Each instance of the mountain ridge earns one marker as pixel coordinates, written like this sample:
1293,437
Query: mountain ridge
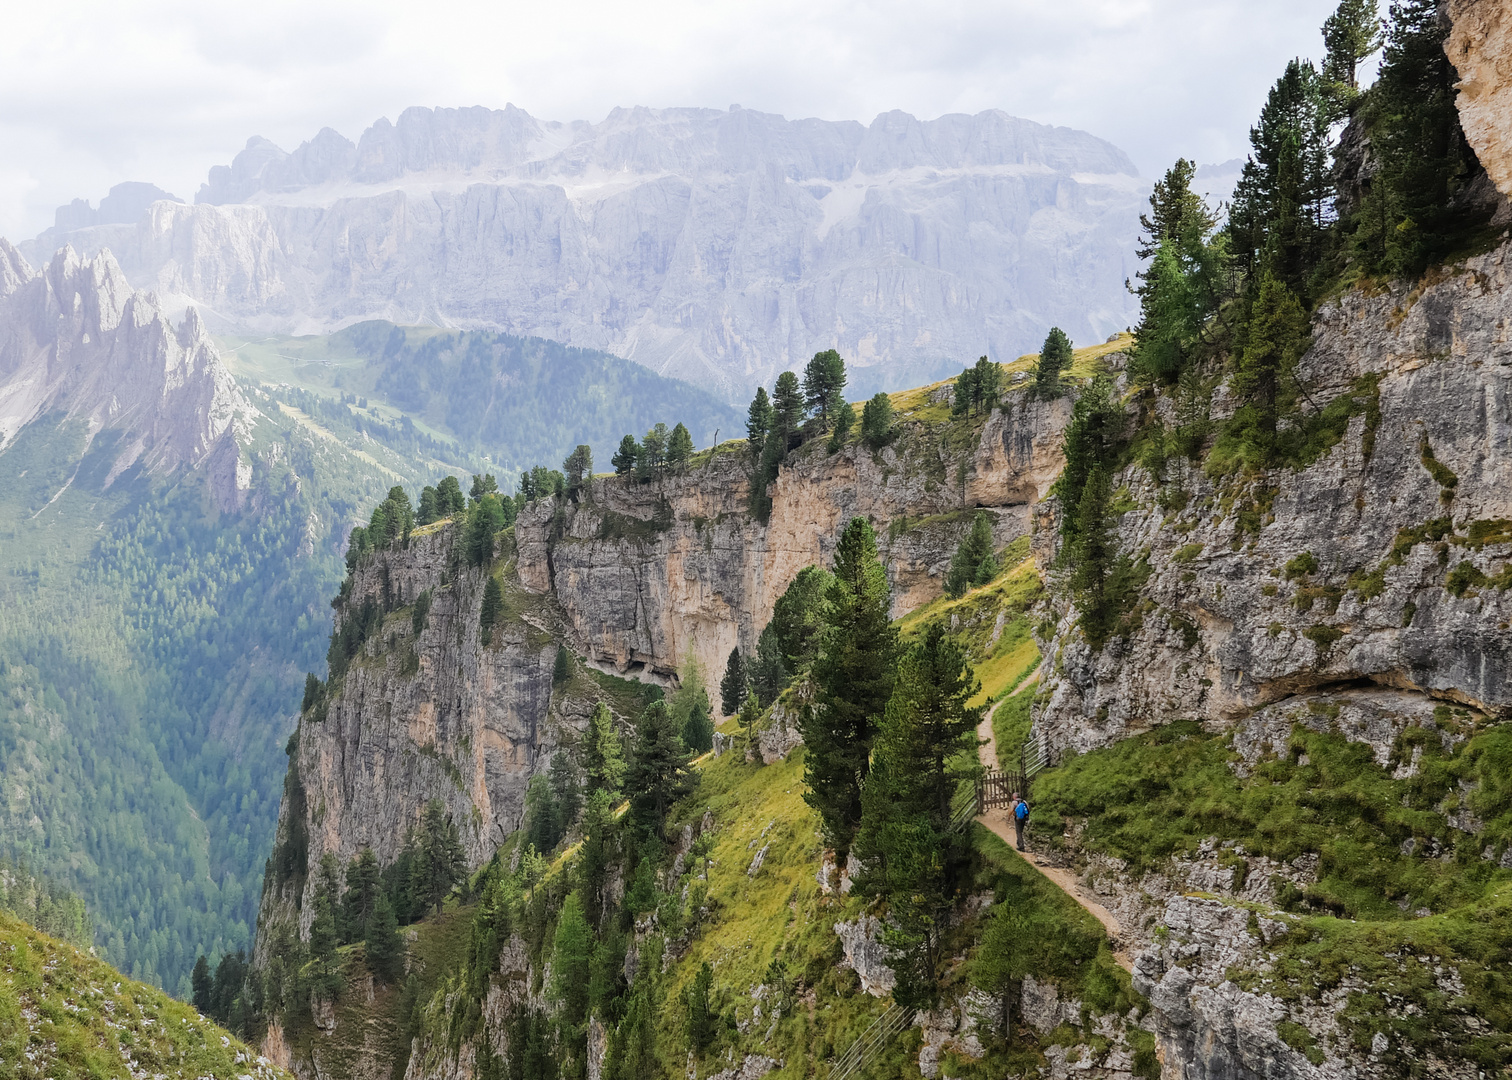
717,246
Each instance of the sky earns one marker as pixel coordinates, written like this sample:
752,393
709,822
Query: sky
99,91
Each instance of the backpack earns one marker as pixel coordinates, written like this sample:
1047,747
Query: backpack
1021,811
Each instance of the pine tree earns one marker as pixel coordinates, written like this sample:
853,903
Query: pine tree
606,974
485,517
578,468
626,456
603,760
1092,551
323,943
700,1024
1351,34
1054,359
483,485
633,1049
492,609
1177,210
1276,337
363,888
853,680
441,854
732,688
910,854
199,980
1092,439
877,421
598,849
1000,963
973,563
570,954
679,448
787,412
658,775
823,384
540,815
449,497
1411,214
1279,218
698,729
798,617
1184,282
428,511
989,384
383,948
566,796
750,712
965,393
845,420
769,674
758,422
653,455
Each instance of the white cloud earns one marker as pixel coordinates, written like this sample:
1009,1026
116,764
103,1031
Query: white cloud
160,90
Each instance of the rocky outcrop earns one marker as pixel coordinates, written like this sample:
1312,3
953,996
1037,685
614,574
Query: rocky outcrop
717,246
416,717
1208,1027
77,341
1480,47
1377,563
651,574
861,943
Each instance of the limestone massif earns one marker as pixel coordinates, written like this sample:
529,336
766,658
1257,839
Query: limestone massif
719,246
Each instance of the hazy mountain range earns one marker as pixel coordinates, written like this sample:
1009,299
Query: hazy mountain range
716,246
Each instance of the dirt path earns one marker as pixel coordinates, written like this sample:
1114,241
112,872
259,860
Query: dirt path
1065,880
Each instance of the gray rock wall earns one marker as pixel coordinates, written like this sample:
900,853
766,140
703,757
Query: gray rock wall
717,246
649,574
1444,364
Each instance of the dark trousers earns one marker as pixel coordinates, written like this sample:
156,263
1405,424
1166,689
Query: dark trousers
1018,832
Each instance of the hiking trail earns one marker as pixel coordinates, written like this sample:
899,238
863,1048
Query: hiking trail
997,820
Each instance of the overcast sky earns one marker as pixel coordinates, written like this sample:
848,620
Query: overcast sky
94,92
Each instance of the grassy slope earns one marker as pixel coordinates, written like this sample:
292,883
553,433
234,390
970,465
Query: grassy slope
377,1028
1384,913
915,404
64,1014
781,914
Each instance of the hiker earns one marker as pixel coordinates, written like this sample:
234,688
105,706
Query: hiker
1019,809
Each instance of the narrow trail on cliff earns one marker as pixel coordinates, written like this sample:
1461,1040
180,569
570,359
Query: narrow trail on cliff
1063,879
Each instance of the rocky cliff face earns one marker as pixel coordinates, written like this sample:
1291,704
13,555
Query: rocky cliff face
430,715
1480,47
637,579
650,575
721,247
77,340
1378,563
1360,594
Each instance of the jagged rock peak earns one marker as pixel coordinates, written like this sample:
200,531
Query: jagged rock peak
649,141
15,271
76,339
